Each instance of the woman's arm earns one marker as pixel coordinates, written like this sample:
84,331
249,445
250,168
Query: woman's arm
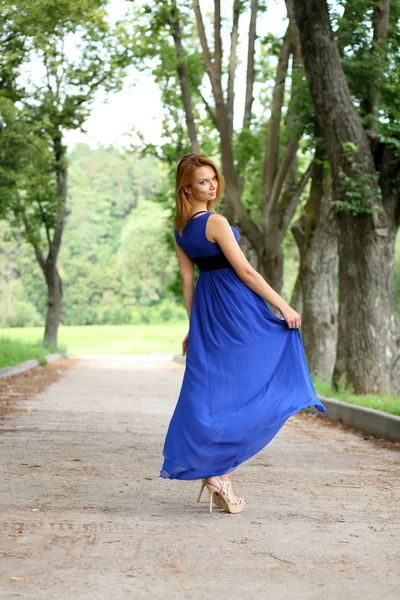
186,267
257,283
188,293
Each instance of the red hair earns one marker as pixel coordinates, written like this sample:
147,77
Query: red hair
184,177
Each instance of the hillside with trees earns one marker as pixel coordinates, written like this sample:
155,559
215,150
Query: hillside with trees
115,262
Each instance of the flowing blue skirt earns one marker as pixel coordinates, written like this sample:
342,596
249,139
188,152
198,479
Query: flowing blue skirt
246,373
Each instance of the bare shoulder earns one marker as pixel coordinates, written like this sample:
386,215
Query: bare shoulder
218,219
217,226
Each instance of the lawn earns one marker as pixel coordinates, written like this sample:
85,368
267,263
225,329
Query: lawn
109,339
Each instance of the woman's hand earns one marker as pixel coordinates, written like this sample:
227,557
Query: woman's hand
185,344
292,318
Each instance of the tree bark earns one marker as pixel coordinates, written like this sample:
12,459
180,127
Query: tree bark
49,267
316,237
276,207
54,304
232,64
381,29
250,64
274,125
296,300
366,308
233,188
183,79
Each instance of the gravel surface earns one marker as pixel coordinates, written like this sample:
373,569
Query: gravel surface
85,515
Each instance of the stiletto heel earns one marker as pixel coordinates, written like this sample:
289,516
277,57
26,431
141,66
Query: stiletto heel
211,499
203,485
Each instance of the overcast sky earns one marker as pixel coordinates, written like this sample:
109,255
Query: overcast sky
138,105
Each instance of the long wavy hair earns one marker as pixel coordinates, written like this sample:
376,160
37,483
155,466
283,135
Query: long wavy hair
184,178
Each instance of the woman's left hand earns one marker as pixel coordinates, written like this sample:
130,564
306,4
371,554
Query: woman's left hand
185,344
292,318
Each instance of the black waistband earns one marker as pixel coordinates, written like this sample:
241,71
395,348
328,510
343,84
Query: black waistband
212,263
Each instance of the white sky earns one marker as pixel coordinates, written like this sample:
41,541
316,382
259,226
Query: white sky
138,104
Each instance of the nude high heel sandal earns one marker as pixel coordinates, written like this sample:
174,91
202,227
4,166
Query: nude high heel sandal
224,497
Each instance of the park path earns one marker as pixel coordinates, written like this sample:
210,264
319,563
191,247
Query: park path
85,515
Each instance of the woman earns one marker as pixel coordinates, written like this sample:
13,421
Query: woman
246,371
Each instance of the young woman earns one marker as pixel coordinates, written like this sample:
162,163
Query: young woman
246,371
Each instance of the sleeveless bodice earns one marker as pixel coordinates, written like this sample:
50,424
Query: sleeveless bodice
193,239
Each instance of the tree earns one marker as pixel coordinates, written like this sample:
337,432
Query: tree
164,41
315,233
364,168
78,53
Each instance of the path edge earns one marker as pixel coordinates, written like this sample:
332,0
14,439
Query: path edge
29,364
371,420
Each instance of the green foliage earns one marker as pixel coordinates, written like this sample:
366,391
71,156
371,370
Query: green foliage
75,52
358,190
303,109
390,135
116,261
152,49
108,210
22,288
26,168
369,63
146,264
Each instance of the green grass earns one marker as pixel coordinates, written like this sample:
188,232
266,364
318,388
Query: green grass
13,352
386,403
109,339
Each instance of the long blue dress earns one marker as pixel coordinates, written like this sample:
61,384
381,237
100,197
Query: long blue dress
246,372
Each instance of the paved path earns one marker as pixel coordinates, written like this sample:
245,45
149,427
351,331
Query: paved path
85,515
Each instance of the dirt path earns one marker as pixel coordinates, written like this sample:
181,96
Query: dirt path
85,515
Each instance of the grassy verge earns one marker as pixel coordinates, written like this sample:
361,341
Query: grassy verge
13,352
386,403
110,339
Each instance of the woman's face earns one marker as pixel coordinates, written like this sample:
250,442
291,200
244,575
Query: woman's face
204,185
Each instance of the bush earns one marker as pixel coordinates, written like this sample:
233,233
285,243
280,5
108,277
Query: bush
22,314
164,312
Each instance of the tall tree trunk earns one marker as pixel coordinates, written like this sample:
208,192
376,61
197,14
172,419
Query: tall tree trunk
296,300
54,303
183,78
49,266
316,236
366,317
271,260
389,172
381,28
